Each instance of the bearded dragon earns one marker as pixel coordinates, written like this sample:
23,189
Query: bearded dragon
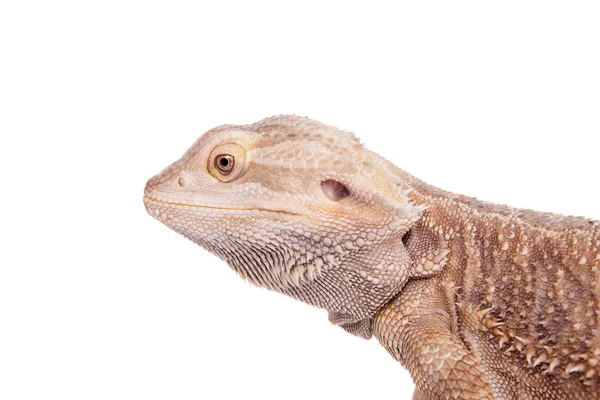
476,300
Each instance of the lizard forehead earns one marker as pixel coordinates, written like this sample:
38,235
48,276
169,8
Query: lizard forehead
290,127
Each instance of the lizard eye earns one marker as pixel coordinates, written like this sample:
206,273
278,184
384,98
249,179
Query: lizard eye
224,163
227,162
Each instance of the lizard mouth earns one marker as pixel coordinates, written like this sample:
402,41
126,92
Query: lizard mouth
149,201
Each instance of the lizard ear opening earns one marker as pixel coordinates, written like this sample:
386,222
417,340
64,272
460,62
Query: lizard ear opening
334,190
406,237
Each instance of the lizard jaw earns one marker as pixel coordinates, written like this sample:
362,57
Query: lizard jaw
149,201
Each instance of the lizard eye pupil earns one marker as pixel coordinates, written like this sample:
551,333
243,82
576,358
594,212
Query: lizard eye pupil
224,163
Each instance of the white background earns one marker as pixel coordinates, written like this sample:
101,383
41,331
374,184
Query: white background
99,301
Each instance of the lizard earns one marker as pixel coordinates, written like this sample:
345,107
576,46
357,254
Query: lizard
476,300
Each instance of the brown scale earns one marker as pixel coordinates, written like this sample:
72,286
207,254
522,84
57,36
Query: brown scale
521,280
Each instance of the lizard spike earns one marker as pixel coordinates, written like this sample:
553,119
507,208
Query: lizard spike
408,191
297,275
548,349
403,193
542,358
461,304
552,366
498,332
590,373
490,323
439,256
519,346
481,314
310,271
577,357
526,342
529,354
503,340
572,368
410,212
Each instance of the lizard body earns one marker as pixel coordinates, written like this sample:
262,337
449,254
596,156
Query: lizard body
476,300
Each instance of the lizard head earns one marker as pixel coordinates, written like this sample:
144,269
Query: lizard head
295,206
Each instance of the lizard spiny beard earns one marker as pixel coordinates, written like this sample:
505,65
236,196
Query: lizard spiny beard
308,263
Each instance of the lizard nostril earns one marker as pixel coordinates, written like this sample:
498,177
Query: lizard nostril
181,182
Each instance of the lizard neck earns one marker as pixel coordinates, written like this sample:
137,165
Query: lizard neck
527,268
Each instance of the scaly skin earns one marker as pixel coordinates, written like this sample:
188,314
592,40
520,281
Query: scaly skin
477,301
